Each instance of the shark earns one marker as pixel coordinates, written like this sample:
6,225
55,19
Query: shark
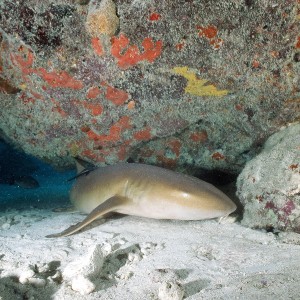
145,191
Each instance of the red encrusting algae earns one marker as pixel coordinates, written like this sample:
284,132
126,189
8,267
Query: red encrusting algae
95,108
298,42
210,33
97,46
175,146
129,55
199,136
55,78
115,131
218,156
57,108
154,17
59,79
93,92
143,135
117,96
24,64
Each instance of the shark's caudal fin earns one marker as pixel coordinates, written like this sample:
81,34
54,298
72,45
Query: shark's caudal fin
109,205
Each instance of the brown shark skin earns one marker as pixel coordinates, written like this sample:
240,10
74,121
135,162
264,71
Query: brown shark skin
146,191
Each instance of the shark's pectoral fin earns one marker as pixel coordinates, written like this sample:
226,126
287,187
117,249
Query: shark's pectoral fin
110,205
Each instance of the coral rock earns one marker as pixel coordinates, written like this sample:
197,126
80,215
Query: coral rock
188,85
269,185
102,18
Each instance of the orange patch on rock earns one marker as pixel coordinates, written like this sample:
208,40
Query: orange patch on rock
115,131
154,17
54,78
92,155
92,135
146,152
117,96
179,46
36,95
200,136
216,43
168,163
93,92
122,153
95,108
298,42
123,150
255,64
25,99
58,109
175,146
60,79
218,156
239,107
143,135
24,64
85,129
97,46
89,154
129,55
131,105
210,33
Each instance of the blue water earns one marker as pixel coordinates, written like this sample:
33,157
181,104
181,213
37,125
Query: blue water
53,187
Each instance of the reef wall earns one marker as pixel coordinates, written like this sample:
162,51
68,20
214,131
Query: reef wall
183,84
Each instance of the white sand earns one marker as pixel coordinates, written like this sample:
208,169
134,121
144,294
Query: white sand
131,258
137,258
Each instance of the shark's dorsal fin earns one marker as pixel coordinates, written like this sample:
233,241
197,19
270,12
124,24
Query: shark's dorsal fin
83,168
82,165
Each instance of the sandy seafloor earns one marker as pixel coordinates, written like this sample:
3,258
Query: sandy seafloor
135,258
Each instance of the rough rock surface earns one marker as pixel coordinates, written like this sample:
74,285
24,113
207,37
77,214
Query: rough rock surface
175,83
269,185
